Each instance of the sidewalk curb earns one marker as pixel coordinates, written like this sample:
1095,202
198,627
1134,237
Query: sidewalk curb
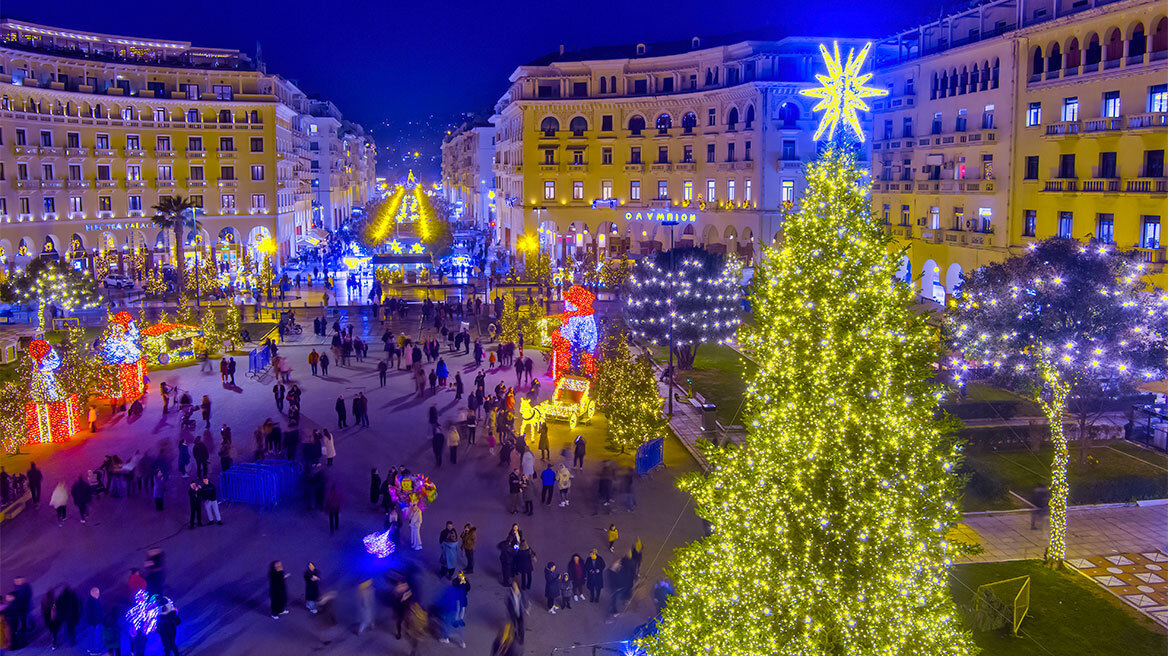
1097,506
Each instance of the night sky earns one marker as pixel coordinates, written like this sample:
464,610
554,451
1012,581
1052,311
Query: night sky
408,73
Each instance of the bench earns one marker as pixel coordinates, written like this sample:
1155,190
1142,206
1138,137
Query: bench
15,508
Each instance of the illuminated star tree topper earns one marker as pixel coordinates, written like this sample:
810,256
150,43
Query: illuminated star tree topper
843,91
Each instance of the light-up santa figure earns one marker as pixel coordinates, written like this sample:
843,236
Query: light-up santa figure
574,341
52,415
122,350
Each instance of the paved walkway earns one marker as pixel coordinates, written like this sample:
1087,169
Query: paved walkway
1091,531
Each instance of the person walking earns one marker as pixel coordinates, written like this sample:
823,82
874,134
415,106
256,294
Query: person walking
564,484
277,589
374,486
313,361
528,493
158,489
231,369
328,447
515,489
594,575
437,443
364,409
280,392
93,619
210,498
548,479
458,386
527,460
59,501
202,457
467,539
382,371
342,419
517,609
452,439
579,448
545,451
415,519
82,495
311,588
205,408
196,504
226,451
34,477
449,547
184,456
332,504
551,586
168,622
613,535
324,363
366,600
565,585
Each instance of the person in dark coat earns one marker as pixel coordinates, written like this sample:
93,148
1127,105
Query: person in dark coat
202,457
277,589
551,586
525,564
517,609
280,392
35,476
594,576
438,443
578,453
168,623
374,486
382,371
577,577
311,588
342,419
93,618
324,363
50,617
82,495
68,609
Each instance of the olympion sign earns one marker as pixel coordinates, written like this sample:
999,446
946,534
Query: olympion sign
680,217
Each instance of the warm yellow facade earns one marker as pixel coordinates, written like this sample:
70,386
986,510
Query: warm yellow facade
965,189
95,129
595,150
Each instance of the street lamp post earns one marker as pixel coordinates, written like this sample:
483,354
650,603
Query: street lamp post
672,316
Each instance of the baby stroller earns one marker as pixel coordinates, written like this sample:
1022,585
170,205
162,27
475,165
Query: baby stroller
188,420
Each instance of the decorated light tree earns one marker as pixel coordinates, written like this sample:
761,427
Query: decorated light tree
232,325
1070,322
50,284
830,519
509,320
694,290
626,391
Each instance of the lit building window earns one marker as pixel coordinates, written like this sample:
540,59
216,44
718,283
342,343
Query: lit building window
549,189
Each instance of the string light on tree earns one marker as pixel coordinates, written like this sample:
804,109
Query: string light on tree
843,91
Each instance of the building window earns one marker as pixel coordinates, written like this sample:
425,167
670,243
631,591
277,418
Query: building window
46,139
226,172
710,152
962,121
937,123
746,152
197,200
165,172
636,126
193,114
103,172
711,190
196,173
74,172
133,142
72,140
885,212
160,115
257,144
1111,104
906,131
606,122
788,189
1107,166
227,201
577,157
221,91
662,190
730,152
75,204
549,156
1071,108
257,202
1150,234
133,172
987,118
134,203
1034,114
887,128
635,190
606,155
24,206
577,190
195,144
687,154
987,167
1105,228
730,195
1067,165
687,190
746,192
46,171
1153,164
1066,225
20,137
105,204
1158,98
549,189
662,154
635,155
163,142
50,205
1031,167
712,117
605,189
227,144
1029,222
788,149
904,214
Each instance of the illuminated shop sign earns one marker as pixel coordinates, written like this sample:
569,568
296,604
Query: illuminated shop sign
680,217
124,225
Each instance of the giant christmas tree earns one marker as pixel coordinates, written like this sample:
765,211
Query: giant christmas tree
830,520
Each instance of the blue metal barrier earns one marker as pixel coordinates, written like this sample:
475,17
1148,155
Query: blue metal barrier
287,473
258,359
650,455
247,483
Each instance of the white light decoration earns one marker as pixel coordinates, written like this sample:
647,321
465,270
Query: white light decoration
843,91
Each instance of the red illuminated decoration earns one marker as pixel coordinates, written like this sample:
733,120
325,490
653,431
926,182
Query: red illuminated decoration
123,351
51,415
574,341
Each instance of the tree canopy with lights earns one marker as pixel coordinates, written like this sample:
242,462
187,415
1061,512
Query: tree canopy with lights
48,284
1070,322
704,288
830,519
626,391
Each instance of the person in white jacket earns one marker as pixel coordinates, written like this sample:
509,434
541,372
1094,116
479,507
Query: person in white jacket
60,501
415,526
328,447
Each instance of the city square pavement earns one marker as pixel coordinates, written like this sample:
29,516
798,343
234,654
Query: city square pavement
217,574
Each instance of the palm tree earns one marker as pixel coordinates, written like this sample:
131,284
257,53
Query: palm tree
171,215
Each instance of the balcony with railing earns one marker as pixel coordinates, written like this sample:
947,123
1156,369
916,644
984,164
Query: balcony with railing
1148,121
1101,186
1146,185
1063,129
1102,125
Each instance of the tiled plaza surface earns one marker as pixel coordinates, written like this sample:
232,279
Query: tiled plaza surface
1139,579
217,574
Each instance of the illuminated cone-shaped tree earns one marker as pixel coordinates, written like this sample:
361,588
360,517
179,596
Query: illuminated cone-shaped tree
830,520
626,391
509,321
1073,323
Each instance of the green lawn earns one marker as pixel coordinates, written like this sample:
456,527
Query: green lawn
979,392
719,375
1114,474
1068,615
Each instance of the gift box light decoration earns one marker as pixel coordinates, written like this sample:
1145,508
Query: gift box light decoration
52,415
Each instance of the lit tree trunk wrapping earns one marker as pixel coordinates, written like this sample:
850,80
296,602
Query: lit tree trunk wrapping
1054,407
